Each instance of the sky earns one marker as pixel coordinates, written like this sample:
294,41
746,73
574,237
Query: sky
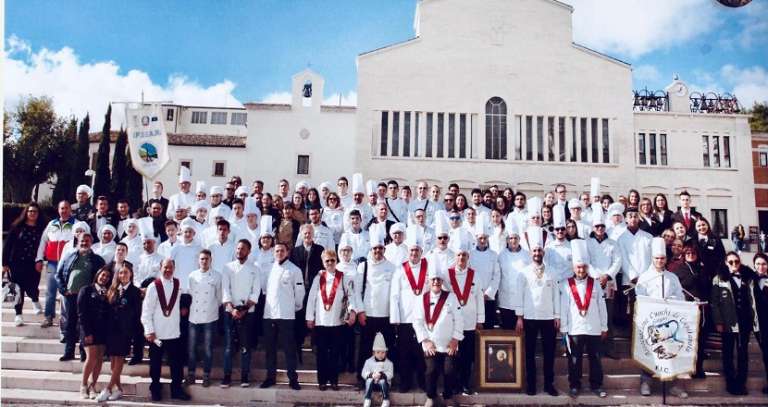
85,54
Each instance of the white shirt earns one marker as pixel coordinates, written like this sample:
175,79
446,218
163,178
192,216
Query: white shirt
396,254
473,312
650,284
486,265
604,257
177,200
428,206
221,253
185,256
512,265
397,207
442,259
402,299
571,321
135,248
334,219
457,235
430,240
152,317
449,324
205,289
148,267
164,249
106,251
360,243
316,308
497,240
240,283
518,217
263,262
557,258
541,296
285,291
375,301
635,253
322,236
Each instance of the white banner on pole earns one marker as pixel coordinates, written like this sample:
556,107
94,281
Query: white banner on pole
147,140
664,336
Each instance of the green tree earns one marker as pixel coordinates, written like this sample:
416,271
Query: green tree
65,161
119,168
102,182
134,185
29,147
758,121
82,156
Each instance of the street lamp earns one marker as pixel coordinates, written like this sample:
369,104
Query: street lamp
91,173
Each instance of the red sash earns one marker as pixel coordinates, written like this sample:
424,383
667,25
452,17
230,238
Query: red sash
432,319
328,301
165,306
463,297
422,275
587,296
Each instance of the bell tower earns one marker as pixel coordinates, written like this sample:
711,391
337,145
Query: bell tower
679,96
307,90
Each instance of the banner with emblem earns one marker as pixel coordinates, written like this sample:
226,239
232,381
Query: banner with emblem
664,336
147,140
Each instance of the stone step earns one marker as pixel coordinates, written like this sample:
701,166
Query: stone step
26,313
63,381
30,330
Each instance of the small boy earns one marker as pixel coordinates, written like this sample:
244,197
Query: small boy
377,372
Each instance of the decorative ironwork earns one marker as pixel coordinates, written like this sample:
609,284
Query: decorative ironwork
649,101
711,102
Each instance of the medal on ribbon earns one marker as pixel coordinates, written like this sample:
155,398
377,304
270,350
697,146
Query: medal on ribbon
432,318
328,299
463,297
166,306
583,307
416,287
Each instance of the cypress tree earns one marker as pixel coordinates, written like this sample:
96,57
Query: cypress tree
65,162
119,166
134,185
101,183
81,159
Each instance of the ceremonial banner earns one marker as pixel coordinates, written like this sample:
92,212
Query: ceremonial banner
147,140
664,336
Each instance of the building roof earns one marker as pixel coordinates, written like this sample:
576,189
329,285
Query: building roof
287,107
193,140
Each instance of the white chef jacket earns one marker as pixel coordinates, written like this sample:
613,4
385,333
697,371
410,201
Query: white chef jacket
571,322
497,240
205,289
240,283
316,308
186,258
346,200
541,297
106,251
442,259
221,254
473,312
512,265
449,324
152,317
149,266
604,257
164,249
360,243
615,231
402,300
583,228
365,214
557,258
135,248
650,284
518,217
174,202
334,219
251,235
397,207
224,212
285,291
428,206
635,253
455,240
263,262
322,236
486,265
375,302
396,254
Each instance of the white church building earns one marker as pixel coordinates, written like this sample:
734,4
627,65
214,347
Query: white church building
486,92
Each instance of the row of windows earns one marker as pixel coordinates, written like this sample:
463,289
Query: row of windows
219,167
200,117
652,149
716,151
561,139
400,134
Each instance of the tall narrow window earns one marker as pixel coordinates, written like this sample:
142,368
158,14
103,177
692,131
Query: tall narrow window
219,169
496,129
663,148
705,150
584,149
551,138
593,127
720,223
529,137
395,134
429,134
302,165
652,145
573,139
641,148
169,115
462,135
416,135
519,141
539,138
451,135
440,136
561,138
763,159
384,132
727,151
606,143
715,151
406,134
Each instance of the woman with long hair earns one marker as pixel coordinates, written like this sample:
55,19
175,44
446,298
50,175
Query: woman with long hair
94,314
509,196
633,199
737,237
313,200
661,213
501,205
681,232
711,250
299,210
645,210
461,203
19,253
690,271
124,299
498,238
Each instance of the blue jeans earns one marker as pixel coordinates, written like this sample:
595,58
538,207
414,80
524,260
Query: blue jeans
242,330
51,291
382,384
207,331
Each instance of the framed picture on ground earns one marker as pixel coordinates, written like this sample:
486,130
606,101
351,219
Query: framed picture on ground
499,360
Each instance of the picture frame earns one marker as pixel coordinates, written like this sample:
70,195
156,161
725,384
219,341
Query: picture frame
499,360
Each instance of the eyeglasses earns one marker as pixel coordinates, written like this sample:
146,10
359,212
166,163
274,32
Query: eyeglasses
442,238
559,229
448,199
455,218
329,260
378,248
734,262
599,226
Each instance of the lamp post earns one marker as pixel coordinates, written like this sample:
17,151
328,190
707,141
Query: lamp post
91,173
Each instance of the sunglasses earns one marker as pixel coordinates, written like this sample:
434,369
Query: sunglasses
733,262
442,238
448,199
455,218
559,229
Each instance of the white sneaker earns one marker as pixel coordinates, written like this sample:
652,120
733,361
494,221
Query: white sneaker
103,396
18,321
36,309
116,395
385,403
84,392
367,403
678,392
645,389
93,391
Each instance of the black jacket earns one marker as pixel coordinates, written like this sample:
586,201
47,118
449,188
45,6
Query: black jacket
163,201
309,263
761,302
691,229
126,312
693,278
712,254
662,225
93,312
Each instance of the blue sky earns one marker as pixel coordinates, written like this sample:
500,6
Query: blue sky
230,51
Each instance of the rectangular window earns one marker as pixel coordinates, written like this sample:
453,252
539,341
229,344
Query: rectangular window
186,163
573,139
462,135
199,117
705,150
726,152
302,165
763,159
561,138
606,143
716,151
429,134
529,137
406,134
540,138
395,134
218,117
384,133
219,169
652,145
440,137
663,148
720,223
551,138
169,115
594,140
584,150
641,148
239,119
519,141
451,135
416,135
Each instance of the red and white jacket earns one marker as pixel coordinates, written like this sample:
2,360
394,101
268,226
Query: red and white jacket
55,237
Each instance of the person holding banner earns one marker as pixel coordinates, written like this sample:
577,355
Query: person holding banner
659,283
734,313
583,321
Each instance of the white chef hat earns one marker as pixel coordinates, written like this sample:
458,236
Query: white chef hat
376,234
435,271
658,247
482,225
201,205
397,227
82,225
370,187
594,186
188,223
302,184
216,190
598,217
358,186
345,241
147,229
265,226
127,222
575,203
199,187
463,242
414,236
110,228
251,207
512,229
534,206
441,223
84,188
324,185
184,175
378,343
219,211
579,253
241,191
558,216
534,237
616,208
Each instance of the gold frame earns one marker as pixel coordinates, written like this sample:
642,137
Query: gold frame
504,337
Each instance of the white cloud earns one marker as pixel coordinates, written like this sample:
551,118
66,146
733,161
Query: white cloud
754,25
637,27
339,99
750,85
646,73
277,97
77,88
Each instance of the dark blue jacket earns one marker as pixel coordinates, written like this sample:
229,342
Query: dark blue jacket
62,274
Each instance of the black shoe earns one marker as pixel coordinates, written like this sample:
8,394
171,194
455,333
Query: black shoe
551,391
335,386
765,390
699,375
226,382
294,384
267,383
530,392
156,395
180,395
67,357
135,361
322,387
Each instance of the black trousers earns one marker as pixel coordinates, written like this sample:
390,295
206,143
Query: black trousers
762,339
28,280
138,342
411,357
532,329
440,364
185,301
490,314
590,343
175,352
508,318
372,326
736,378
70,324
347,354
327,348
280,331
300,329
465,359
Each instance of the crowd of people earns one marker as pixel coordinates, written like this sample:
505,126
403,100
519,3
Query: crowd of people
389,282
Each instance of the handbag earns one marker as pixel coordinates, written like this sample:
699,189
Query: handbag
11,291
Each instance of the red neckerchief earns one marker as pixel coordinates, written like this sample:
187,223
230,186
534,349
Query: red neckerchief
166,306
328,302
463,297
432,319
422,275
587,295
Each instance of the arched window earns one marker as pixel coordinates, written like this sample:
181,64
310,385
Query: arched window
496,129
